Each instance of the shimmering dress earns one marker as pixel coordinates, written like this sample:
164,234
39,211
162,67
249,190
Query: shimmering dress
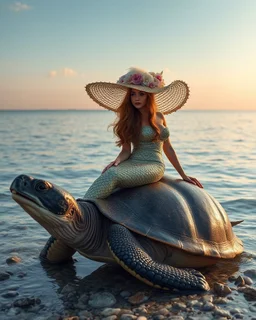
145,165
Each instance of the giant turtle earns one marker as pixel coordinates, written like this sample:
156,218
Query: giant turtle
156,232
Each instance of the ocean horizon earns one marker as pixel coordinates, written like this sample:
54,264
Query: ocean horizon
104,110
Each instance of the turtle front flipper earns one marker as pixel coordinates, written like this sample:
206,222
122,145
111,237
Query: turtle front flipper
55,251
129,254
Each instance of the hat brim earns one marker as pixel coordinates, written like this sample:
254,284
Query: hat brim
111,95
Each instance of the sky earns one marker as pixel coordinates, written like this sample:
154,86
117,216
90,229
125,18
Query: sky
50,49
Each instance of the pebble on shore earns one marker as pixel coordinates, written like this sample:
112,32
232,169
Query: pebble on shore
130,303
12,260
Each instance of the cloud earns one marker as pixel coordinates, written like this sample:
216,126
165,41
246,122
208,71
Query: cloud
52,73
18,6
69,72
64,72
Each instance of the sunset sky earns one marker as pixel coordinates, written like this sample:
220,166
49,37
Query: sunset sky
51,49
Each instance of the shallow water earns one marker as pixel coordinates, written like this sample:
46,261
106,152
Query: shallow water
70,148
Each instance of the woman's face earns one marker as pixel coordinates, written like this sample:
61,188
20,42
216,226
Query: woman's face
138,98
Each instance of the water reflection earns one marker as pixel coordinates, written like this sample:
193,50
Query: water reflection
115,279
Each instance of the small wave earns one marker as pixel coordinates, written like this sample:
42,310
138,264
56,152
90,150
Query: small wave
246,208
241,202
5,196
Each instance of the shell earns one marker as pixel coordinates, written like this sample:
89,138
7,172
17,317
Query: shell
176,213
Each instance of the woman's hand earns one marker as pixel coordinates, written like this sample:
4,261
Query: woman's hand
112,163
193,181
123,155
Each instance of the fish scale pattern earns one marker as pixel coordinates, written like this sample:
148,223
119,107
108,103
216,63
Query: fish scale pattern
144,166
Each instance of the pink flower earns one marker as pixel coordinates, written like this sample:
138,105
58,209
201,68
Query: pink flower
151,85
159,77
136,78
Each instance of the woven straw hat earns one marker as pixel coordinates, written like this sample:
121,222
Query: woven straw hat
111,95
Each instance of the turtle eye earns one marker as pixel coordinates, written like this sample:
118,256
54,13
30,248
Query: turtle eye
72,211
42,186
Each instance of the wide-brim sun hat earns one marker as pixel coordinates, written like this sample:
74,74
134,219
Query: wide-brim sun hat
111,95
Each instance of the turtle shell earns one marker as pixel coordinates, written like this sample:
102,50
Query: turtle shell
176,213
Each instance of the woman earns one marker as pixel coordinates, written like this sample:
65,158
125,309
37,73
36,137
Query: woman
138,97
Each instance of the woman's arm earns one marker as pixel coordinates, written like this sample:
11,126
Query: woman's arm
172,157
123,155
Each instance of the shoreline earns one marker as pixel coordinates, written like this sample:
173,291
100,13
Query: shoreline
109,293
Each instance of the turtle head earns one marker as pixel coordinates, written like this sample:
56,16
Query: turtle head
51,206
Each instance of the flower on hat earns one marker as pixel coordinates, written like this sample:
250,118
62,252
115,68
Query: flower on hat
147,79
137,78
140,77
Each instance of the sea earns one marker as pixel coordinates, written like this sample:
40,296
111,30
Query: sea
70,148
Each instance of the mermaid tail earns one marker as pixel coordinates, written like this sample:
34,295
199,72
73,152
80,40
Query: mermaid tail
126,175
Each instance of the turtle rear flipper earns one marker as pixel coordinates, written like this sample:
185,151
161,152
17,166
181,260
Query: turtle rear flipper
55,251
129,254
234,223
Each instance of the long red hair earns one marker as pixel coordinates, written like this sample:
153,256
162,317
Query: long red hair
128,125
